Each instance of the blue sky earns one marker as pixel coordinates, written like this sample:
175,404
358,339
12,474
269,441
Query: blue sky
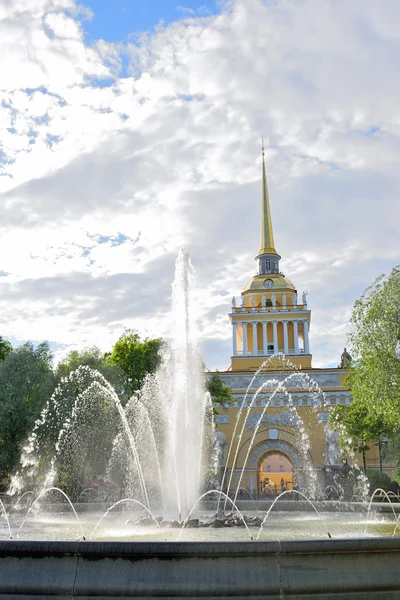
115,20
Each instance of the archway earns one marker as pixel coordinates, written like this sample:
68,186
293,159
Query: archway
275,473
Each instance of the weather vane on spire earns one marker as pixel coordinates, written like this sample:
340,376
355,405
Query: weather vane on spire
262,146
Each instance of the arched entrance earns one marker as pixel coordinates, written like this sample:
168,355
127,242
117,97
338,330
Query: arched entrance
275,473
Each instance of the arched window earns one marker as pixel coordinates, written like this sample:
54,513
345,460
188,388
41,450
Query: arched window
267,265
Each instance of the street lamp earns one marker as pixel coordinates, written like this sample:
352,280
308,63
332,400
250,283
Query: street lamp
382,441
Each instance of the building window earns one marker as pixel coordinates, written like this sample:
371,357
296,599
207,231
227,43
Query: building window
282,468
268,265
268,468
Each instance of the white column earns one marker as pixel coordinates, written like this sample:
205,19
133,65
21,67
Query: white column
296,337
255,348
244,330
234,330
275,328
265,339
285,338
306,341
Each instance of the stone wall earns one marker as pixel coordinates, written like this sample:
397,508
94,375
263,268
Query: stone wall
319,569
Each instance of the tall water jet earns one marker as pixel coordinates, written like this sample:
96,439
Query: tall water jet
181,382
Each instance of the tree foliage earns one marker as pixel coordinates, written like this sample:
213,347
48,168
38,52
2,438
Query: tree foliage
97,360
136,357
362,427
26,383
374,379
220,393
5,348
74,397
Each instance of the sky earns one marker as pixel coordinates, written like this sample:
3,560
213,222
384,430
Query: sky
130,129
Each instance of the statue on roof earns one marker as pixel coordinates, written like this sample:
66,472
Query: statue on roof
345,360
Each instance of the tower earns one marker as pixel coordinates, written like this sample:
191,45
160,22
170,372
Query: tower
271,319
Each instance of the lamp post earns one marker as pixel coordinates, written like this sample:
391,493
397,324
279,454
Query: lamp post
381,442
363,448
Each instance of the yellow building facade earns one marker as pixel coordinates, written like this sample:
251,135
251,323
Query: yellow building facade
276,435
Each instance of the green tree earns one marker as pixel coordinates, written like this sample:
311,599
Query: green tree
5,348
359,427
89,357
94,358
26,383
136,357
374,379
220,393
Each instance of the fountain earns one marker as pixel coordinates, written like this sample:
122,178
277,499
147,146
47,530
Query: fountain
165,429
155,453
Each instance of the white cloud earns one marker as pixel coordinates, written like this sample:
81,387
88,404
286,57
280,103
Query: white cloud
105,177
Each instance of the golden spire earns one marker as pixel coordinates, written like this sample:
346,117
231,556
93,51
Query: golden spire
267,236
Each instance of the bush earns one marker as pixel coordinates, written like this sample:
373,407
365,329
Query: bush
378,479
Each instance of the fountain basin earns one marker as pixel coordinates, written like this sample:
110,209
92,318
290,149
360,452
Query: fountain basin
339,569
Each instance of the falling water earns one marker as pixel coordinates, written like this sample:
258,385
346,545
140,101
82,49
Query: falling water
43,493
181,380
239,414
130,501
227,499
295,379
384,493
298,494
5,515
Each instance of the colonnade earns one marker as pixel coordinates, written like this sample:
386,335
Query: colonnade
269,346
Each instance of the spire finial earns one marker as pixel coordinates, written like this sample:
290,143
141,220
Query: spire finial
267,236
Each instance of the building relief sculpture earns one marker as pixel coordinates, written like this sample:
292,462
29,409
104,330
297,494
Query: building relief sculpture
222,419
242,382
284,419
323,417
327,380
